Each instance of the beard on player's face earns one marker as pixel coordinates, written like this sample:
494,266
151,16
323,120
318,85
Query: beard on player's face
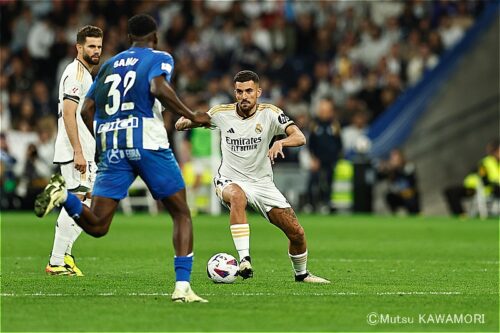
246,105
91,60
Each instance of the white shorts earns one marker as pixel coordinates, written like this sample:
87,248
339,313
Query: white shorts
261,196
75,181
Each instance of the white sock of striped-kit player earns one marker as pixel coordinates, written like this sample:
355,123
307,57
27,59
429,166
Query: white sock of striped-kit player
299,263
241,239
67,232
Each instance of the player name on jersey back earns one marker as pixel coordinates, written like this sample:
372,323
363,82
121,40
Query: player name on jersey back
125,62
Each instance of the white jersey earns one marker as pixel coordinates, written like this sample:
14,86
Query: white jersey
245,141
74,84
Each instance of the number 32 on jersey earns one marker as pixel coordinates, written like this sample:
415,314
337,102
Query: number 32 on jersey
128,82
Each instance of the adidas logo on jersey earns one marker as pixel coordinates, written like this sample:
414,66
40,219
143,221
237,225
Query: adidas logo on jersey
231,130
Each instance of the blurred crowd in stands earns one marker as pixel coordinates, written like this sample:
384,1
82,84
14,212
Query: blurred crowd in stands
328,64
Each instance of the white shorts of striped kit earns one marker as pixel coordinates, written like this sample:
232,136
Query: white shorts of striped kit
77,182
262,196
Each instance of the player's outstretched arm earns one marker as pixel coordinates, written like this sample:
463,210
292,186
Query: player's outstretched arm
183,124
169,99
295,138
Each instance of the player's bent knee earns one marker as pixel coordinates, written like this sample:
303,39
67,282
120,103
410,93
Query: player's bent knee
98,232
238,199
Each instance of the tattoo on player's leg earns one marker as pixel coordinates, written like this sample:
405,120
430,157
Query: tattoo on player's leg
289,214
285,219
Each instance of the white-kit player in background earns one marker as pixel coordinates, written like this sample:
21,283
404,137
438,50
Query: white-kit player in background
75,146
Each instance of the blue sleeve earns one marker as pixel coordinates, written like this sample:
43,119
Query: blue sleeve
91,92
162,64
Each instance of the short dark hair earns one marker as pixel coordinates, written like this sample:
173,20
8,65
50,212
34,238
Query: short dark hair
246,75
141,25
88,31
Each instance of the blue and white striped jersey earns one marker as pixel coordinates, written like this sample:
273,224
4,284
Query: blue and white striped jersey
127,115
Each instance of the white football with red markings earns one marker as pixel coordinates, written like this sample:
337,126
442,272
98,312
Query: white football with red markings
222,268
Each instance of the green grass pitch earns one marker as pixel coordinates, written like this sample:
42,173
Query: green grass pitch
393,266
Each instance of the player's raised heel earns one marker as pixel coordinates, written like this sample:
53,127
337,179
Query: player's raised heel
246,270
51,197
186,296
310,278
70,261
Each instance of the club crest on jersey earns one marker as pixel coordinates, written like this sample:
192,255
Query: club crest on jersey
283,118
258,128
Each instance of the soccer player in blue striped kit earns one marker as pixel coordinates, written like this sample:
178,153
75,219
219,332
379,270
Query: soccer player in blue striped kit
123,109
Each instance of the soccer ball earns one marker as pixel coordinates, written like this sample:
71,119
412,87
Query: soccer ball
222,268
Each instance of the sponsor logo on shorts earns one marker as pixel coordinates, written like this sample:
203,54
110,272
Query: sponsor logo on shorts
114,156
222,181
133,154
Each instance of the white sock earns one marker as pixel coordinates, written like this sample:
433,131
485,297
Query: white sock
65,196
241,239
77,230
182,285
63,236
299,263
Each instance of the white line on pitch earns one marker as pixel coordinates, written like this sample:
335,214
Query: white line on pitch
486,262
347,293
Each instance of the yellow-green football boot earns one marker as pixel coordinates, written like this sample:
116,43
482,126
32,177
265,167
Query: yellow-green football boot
52,196
59,270
70,261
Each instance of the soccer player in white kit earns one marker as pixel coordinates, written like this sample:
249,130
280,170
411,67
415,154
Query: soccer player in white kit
75,146
245,176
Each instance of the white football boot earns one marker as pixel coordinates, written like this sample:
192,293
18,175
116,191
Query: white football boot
310,278
186,295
